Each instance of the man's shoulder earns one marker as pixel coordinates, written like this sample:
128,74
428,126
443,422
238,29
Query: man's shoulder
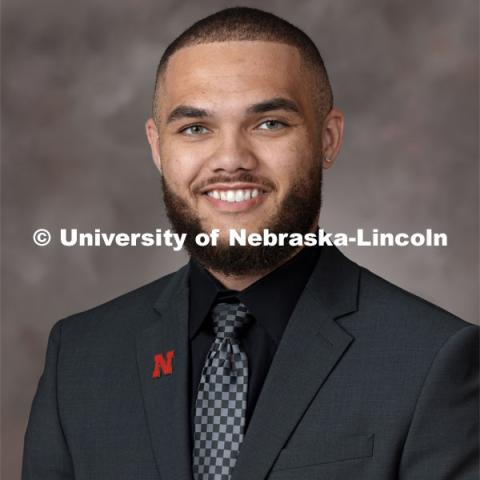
396,311
128,312
377,304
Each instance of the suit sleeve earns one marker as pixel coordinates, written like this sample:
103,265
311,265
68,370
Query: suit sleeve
442,442
46,454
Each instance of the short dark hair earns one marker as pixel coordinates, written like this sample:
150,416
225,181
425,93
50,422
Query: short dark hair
244,23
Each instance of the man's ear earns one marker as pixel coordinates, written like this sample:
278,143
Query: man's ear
332,134
152,137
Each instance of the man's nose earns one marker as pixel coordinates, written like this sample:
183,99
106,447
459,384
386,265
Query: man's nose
233,152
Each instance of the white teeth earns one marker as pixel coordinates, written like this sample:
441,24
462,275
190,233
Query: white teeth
234,195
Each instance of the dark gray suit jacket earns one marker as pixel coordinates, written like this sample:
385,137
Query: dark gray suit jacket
368,382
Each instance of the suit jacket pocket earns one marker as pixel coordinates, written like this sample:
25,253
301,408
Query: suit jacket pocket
332,450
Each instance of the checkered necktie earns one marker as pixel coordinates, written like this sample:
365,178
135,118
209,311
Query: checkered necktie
222,397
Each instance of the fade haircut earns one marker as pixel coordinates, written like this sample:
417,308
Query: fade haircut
243,23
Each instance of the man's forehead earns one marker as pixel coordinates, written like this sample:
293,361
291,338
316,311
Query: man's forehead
264,69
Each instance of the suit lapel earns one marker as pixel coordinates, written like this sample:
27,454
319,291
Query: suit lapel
311,346
166,396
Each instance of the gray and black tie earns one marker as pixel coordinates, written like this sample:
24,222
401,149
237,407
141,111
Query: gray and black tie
222,397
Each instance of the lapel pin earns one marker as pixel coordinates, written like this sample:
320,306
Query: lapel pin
163,364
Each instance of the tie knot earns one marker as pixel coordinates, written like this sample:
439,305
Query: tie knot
229,319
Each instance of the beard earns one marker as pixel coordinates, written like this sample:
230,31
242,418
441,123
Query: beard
297,213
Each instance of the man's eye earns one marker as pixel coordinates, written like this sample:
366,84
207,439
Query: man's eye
271,125
195,130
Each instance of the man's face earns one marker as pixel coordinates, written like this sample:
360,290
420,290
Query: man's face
239,137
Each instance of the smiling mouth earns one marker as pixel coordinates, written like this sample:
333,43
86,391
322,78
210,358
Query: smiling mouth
235,195
233,198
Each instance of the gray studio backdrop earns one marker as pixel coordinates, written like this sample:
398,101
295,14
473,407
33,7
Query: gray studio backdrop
77,80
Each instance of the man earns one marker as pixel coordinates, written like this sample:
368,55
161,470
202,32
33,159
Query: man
254,362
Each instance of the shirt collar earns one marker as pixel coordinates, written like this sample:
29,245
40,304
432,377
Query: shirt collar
270,300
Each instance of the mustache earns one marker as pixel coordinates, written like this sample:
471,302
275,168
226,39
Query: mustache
245,177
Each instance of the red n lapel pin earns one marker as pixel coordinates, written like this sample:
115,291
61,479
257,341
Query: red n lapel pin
163,365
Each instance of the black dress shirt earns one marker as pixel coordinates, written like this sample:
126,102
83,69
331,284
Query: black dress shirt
270,300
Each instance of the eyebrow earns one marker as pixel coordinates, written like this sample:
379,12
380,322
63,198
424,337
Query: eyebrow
186,111
277,103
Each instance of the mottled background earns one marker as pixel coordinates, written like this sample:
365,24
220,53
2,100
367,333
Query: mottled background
77,81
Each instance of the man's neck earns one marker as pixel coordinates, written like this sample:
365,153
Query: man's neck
241,282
